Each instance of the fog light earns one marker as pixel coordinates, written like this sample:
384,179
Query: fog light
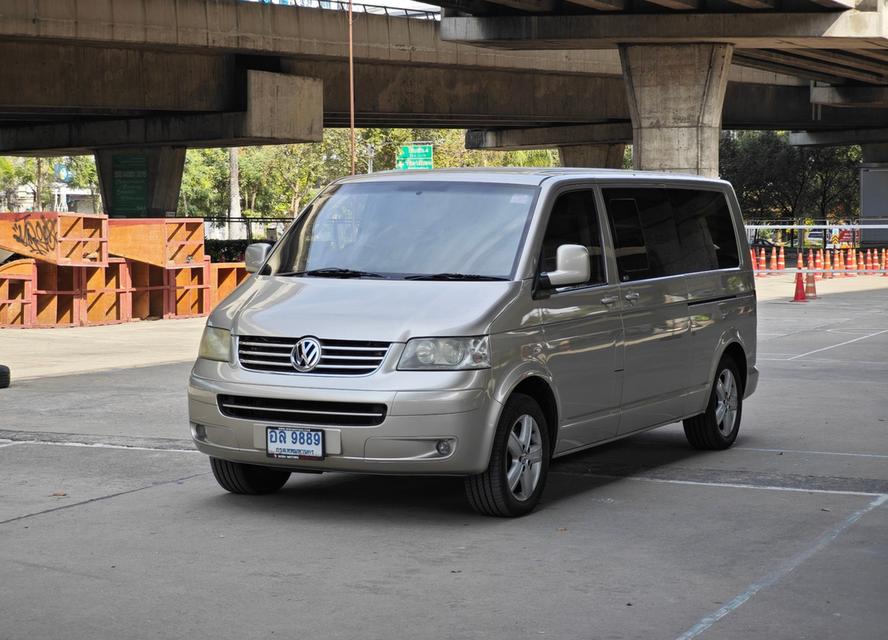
199,432
444,448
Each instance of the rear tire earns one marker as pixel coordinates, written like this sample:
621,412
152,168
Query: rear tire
247,478
519,462
4,376
717,427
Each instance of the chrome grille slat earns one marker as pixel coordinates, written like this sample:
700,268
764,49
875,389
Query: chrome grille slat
268,363
344,366
243,352
338,357
303,412
268,344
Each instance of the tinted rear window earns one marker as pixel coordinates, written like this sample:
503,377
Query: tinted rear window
664,232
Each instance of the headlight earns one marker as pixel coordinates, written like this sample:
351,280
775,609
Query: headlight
215,344
429,354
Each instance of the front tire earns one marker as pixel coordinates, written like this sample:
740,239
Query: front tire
519,462
247,478
717,427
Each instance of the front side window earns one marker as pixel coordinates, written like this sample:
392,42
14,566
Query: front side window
410,229
574,221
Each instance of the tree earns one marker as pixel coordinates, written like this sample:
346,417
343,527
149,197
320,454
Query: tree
84,176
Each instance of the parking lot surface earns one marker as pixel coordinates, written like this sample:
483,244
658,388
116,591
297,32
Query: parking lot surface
112,526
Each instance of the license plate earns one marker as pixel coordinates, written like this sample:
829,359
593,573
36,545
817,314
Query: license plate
295,443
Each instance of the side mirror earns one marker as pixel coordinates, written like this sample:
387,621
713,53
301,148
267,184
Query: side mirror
256,255
572,262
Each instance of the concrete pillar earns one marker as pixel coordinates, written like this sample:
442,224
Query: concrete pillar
140,182
676,93
874,193
607,156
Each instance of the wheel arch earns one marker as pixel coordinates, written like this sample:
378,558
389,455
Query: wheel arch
541,391
737,353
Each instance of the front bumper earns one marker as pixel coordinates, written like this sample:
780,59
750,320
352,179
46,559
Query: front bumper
404,443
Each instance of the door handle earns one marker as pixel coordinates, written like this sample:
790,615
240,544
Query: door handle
609,300
632,296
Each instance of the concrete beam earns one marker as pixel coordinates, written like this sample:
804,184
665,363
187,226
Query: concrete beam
531,6
92,79
280,109
820,64
431,96
836,30
873,97
601,5
548,137
216,26
679,5
755,4
604,156
838,138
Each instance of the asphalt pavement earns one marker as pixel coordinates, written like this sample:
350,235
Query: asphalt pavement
111,526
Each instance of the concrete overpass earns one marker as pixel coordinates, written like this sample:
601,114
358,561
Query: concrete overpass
152,77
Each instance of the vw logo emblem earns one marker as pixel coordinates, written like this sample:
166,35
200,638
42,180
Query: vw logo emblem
306,354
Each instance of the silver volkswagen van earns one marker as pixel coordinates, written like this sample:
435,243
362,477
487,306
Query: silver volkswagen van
480,324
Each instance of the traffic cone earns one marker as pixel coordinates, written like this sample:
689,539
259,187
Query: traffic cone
810,264
763,263
827,266
811,285
869,262
840,264
755,266
781,260
773,265
885,263
818,265
799,289
861,263
851,264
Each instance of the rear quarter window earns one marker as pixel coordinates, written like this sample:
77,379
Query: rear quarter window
663,232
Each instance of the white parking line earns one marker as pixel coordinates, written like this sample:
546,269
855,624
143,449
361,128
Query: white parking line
841,344
819,453
781,571
100,445
726,485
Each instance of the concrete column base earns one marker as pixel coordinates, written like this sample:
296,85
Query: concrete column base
140,182
676,93
607,156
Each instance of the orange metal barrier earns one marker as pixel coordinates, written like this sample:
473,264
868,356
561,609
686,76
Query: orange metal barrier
224,278
65,239
18,280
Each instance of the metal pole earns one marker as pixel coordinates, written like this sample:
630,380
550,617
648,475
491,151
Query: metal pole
351,84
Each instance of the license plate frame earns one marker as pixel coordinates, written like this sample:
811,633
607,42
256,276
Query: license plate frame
294,445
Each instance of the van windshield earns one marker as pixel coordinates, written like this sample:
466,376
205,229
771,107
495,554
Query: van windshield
409,230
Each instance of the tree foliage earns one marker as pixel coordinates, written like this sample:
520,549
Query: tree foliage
277,181
775,180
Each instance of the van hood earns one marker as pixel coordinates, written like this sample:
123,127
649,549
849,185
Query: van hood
362,309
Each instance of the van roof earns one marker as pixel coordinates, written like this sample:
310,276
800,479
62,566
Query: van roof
524,175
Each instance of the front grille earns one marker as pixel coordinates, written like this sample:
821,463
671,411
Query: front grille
309,412
338,357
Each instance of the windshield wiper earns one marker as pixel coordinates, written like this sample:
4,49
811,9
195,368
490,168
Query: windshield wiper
452,276
333,272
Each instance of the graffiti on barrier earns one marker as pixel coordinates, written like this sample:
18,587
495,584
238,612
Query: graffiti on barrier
38,236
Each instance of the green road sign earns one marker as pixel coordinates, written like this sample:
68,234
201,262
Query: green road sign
129,185
415,156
